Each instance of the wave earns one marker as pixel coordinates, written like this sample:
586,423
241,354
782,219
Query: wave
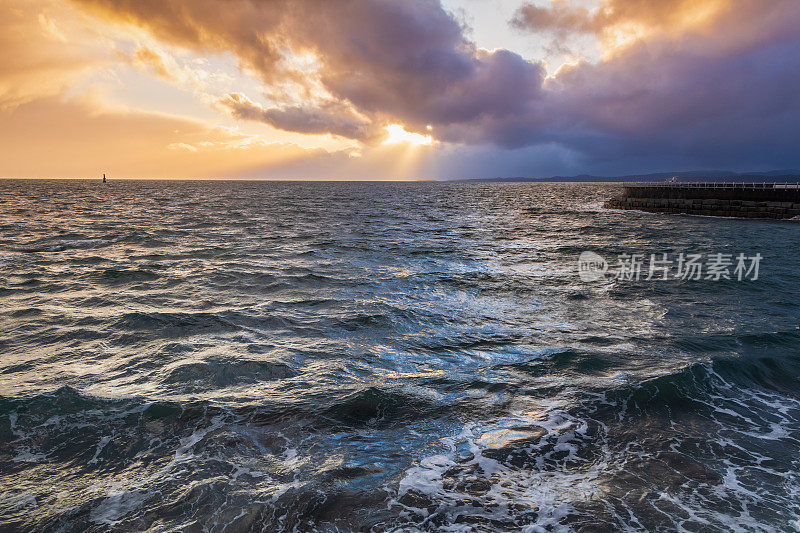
113,275
178,323
226,372
385,357
679,451
620,457
9,259
375,407
61,245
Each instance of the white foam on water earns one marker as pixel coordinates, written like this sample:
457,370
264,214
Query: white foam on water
123,499
70,244
11,502
240,470
119,502
100,445
290,457
8,259
546,486
574,466
24,455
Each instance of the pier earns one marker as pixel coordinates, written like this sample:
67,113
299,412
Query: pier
744,200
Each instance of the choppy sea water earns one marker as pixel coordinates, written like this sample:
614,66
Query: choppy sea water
256,356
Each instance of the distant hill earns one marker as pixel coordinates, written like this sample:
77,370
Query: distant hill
778,176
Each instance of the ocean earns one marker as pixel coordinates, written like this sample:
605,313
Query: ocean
287,356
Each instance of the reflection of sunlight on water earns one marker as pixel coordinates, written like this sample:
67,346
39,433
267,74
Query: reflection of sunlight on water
508,436
391,374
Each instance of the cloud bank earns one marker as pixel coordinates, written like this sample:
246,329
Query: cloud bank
709,80
675,83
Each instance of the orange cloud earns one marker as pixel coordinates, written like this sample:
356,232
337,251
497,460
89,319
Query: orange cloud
83,138
148,58
346,68
38,56
621,23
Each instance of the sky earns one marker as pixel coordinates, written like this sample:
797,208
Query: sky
396,89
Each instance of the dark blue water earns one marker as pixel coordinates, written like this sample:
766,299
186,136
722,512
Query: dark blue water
251,356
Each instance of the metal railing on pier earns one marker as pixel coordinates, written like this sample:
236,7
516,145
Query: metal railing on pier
711,185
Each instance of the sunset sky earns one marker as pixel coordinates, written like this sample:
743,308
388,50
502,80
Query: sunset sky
396,89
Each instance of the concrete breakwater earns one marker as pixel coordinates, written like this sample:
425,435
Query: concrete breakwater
746,200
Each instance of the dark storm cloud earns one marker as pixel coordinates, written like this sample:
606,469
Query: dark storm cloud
708,83
329,117
702,81
645,15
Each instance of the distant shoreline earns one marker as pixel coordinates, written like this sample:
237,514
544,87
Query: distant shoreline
774,176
